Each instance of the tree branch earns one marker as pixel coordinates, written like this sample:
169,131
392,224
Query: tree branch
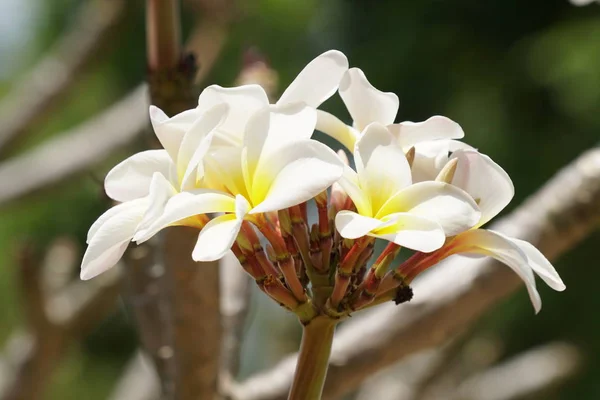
32,98
76,150
555,219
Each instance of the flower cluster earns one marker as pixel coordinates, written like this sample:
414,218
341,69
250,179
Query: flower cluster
236,166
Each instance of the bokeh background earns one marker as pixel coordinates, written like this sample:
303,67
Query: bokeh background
521,77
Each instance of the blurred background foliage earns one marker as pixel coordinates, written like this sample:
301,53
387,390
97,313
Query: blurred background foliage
521,77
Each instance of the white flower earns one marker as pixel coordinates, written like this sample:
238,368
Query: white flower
145,182
492,188
390,207
277,166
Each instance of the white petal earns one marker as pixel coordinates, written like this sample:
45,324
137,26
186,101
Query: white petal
430,158
351,225
539,263
110,240
437,127
365,103
480,241
196,142
332,126
130,179
485,181
187,204
318,81
243,102
351,185
170,131
161,191
446,204
272,127
294,174
111,212
216,238
411,231
381,165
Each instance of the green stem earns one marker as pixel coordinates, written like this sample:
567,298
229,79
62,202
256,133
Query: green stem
313,360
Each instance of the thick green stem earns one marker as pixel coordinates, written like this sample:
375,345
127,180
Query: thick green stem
313,359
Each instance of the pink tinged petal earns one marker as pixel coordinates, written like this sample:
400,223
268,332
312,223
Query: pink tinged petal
187,204
381,165
294,174
161,191
109,241
196,142
539,263
448,205
170,131
332,126
411,231
480,241
365,103
437,127
131,178
243,101
318,81
349,182
216,238
485,181
351,225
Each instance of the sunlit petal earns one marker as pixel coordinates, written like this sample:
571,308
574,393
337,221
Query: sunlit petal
318,81
351,225
485,181
365,103
480,241
130,179
332,126
437,127
109,241
170,131
411,231
446,204
216,238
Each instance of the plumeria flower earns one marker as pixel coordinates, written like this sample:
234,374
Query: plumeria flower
491,187
144,182
278,166
417,216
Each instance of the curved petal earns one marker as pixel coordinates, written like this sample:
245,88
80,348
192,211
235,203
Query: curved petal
381,165
537,262
318,81
437,127
365,103
216,238
480,241
111,212
485,181
349,182
411,231
161,191
294,174
196,142
446,204
430,158
351,225
170,131
332,126
130,179
187,204
243,101
110,240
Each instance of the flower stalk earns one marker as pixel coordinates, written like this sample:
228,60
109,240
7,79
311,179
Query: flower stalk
313,359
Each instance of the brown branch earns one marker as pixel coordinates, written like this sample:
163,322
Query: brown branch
76,150
532,372
53,322
35,96
555,219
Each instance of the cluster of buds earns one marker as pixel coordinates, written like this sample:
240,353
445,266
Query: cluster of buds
248,175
